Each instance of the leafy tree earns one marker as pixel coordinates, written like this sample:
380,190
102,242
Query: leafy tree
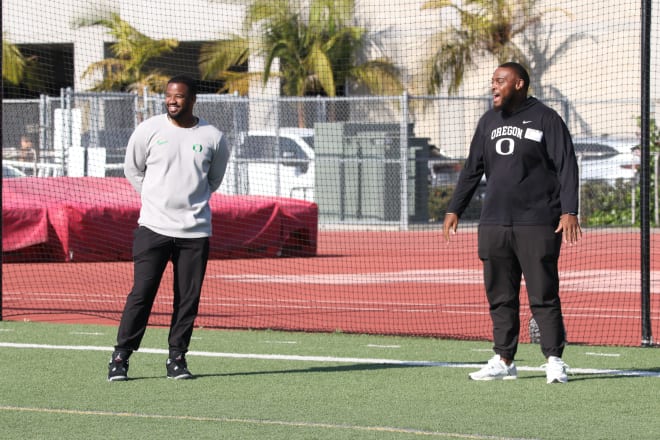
219,60
13,62
541,56
21,70
603,204
654,150
132,50
487,27
319,49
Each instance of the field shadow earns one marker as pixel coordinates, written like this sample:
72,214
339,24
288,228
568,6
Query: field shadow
324,369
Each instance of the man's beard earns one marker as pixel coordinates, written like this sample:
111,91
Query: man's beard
175,116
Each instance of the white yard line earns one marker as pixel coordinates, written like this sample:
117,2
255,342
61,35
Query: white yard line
331,359
329,426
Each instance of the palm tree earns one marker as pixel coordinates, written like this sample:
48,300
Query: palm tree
541,57
13,62
132,50
221,59
19,69
487,27
320,51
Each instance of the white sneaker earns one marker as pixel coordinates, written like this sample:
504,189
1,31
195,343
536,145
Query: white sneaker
555,370
496,369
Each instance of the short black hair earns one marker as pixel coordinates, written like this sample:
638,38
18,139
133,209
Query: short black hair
188,81
519,69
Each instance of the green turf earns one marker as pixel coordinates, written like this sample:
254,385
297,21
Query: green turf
57,393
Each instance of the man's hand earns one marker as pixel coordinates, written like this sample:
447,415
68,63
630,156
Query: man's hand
450,225
570,227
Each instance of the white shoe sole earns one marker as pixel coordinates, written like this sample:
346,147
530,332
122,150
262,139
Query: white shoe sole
558,380
489,378
117,379
181,377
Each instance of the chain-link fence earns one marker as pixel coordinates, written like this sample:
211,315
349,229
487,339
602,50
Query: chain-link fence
383,160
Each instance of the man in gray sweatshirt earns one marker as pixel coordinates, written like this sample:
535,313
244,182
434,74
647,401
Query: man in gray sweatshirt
175,161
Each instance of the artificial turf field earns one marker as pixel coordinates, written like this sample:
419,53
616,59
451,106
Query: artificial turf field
277,385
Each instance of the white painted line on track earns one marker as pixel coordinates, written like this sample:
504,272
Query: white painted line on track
624,281
332,359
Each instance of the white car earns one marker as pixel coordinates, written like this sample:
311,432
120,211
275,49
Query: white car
607,160
11,171
271,163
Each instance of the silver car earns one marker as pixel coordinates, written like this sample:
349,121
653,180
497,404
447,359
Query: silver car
11,171
260,165
607,160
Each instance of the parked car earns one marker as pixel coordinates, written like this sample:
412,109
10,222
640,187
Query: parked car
272,163
11,171
607,160
444,171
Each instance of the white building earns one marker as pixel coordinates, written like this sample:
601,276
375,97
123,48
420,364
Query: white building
600,74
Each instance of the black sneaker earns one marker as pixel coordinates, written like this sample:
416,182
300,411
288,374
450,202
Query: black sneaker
118,367
177,368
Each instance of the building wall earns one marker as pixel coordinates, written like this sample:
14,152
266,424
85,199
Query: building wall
602,67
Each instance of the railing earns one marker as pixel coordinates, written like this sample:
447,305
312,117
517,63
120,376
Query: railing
83,126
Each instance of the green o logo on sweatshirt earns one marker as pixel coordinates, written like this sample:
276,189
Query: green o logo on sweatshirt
197,148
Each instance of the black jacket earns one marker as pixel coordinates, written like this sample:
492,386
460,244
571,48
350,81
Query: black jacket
530,167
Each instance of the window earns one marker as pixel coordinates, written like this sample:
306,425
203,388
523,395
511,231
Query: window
264,148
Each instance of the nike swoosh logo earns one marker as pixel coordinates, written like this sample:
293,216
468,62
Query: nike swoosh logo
161,142
526,122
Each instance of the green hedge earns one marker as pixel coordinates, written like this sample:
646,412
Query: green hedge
602,204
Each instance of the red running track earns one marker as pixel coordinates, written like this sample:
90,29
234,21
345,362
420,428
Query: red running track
406,283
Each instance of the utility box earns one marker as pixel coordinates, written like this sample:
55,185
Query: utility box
358,172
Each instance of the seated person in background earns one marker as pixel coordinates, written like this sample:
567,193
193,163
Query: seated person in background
27,152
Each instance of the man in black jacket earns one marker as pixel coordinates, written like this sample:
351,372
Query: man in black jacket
532,188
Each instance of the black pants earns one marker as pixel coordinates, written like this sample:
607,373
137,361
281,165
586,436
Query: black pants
508,253
151,253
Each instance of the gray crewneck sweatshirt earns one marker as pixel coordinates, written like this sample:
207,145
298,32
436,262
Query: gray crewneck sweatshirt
176,170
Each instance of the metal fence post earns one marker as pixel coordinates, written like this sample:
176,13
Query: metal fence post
656,208
633,212
63,136
403,146
645,125
43,123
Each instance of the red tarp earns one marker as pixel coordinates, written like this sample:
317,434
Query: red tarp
92,219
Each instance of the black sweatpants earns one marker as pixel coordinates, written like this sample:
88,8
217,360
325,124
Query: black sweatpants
151,253
508,253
